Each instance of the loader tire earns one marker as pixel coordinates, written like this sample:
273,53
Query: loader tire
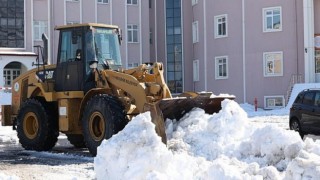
103,116
37,126
76,140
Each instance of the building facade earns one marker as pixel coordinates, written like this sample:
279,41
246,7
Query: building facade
251,49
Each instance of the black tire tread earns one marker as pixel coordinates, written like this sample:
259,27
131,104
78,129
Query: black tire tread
76,140
112,109
48,125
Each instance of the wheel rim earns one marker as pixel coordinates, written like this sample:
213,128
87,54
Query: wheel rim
295,126
97,126
30,125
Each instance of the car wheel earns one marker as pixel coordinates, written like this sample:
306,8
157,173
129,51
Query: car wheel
295,125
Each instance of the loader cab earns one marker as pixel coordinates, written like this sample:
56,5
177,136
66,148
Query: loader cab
80,46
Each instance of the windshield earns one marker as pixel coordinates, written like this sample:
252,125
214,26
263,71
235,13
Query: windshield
106,48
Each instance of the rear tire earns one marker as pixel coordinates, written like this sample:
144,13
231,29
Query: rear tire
37,127
76,140
295,125
103,116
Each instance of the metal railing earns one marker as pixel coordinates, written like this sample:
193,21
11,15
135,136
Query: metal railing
295,79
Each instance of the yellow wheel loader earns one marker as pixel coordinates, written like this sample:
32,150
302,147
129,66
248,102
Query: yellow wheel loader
88,95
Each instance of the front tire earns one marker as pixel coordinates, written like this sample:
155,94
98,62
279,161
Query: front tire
103,116
295,125
36,127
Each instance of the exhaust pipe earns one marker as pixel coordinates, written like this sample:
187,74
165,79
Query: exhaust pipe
45,49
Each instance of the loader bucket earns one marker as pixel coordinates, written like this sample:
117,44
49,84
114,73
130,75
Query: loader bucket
176,108
158,120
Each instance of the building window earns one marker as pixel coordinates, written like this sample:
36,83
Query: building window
196,70
273,102
10,72
317,60
132,33
273,64
151,36
221,67
131,2
39,27
12,24
132,65
174,46
103,1
195,30
221,27
194,2
272,19
73,22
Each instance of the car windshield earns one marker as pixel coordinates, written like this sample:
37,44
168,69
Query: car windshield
106,47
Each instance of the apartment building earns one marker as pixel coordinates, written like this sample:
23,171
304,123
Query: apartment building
248,48
24,21
251,49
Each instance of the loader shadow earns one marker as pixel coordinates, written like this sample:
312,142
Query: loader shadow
62,154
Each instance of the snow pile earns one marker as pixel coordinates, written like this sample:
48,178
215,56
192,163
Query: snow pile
307,164
7,135
6,177
260,112
225,145
297,88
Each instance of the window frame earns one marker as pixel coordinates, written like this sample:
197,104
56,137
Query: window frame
216,26
194,2
132,65
72,22
196,70
101,2
266,64
42,28
23,29
12,76
217,64
132,3
265,16
132,33
266,106
195,31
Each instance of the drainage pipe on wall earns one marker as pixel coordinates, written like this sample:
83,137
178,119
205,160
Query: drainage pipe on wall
244,52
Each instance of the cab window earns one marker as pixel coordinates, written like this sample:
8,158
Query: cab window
70,45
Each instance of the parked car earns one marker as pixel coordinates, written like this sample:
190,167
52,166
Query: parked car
305,113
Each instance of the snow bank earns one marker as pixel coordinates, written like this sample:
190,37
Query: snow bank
225,145
261,112
298,88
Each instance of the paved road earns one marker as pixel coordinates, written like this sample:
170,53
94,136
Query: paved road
63,161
